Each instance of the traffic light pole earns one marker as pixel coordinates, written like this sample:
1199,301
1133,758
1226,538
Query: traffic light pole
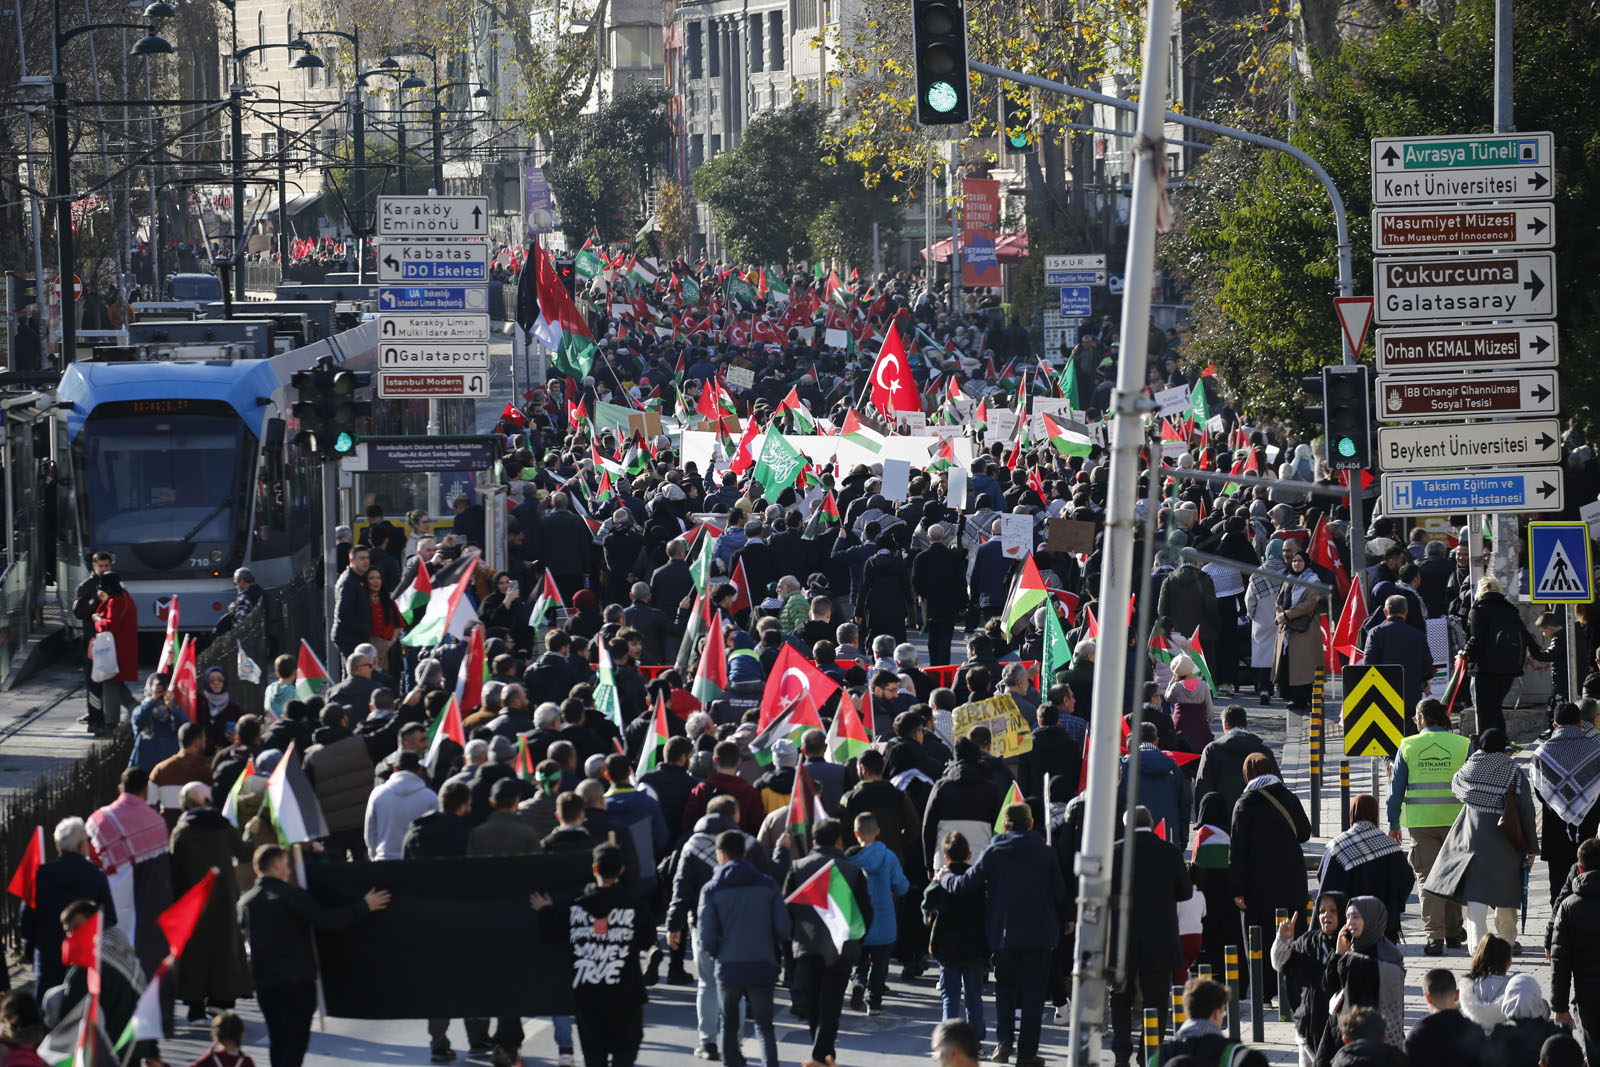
330,567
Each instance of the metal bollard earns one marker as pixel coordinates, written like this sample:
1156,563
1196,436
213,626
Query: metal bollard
1152,1033
1314,754
1258,1024
1230,967
1202,970
1283,1002
1177,1008
1344,794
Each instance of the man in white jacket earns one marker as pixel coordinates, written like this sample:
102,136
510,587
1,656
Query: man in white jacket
394,804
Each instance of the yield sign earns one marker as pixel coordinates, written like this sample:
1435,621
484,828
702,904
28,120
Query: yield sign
1355,315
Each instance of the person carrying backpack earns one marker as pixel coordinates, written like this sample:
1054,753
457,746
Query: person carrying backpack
1497,645
1205,1005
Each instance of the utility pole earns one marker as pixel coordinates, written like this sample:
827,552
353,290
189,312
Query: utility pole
1092,966
236,164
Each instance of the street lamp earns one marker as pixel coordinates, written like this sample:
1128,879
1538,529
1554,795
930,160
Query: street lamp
438,128
358,124
151,44
389,68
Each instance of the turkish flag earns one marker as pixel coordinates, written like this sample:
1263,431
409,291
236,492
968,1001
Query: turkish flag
793,676
892,386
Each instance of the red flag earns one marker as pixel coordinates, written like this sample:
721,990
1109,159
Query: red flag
512,417
1330,661
1324,553
1015,454
794,676
24,884
893,388
1091,625
1161,829
178,921
185,682
82,949
742,459
742,598
1348,632
1083,767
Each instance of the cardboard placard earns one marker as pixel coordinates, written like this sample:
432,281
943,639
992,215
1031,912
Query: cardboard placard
1071,535
1009,734
896,479
1016,535
645,422
741,378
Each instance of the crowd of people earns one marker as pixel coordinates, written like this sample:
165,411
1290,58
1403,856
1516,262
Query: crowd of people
623,690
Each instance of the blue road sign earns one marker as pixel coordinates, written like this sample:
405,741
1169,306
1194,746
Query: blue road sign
433,298
1532,489
1074,277
1075,301
1560,567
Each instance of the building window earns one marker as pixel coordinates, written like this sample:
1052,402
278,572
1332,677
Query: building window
266,145
696,50
805,14
261,37
716,145
774,40
636,47
288,25
697,150
714,48
753,32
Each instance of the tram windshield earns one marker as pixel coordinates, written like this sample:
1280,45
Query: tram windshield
165,491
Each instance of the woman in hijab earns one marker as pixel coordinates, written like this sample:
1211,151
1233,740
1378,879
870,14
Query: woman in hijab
1208,869
1479,866
1260,606
1192,709
585,620
216,707
1300,648
1566,775
1365,861
1365,971
1517,1041
1301,961
1266,869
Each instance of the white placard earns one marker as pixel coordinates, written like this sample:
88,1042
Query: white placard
1172,401
956,488
741,378
1016,535
1002,425
896,479
1058,408
915,421
1590,513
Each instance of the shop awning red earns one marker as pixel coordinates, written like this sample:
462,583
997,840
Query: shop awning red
1008,248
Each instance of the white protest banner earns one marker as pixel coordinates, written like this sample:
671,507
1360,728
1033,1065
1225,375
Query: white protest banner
1016,535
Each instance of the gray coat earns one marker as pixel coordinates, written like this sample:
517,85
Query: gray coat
1477,864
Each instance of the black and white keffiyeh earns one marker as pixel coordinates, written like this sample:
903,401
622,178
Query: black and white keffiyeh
1566,772
1359,844
1483,781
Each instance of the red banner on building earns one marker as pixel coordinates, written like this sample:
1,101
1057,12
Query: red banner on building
980,221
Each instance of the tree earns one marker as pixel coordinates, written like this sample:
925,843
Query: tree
1257,240
675,219
604,163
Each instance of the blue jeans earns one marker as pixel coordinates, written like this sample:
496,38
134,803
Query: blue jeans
759,997
963,985
708,994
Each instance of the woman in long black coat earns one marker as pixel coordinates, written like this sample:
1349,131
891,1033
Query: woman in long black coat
1266,868
212,968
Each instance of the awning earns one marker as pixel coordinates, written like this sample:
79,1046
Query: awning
268,203
1008,248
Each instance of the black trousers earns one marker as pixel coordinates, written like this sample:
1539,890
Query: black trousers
609,1030
1588,1025
1488,694
287,1010
1020,976
1154,988
818,993
940,636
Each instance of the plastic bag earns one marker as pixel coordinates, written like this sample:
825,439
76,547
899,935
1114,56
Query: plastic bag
103,653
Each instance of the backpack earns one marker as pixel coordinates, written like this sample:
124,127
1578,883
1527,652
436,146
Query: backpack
1504,652
1201,1049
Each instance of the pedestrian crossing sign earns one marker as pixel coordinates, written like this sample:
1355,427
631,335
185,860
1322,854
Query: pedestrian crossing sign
1373,711
1560,564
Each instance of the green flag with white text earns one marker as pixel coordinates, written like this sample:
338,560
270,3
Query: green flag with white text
780,463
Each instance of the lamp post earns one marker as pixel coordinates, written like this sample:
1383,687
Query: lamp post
61,161
438,127
236,120
358,122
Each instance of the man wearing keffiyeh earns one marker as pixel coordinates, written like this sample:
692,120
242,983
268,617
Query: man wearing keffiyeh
1566,777
131,843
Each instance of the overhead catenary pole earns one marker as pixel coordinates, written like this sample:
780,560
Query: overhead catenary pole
1092,964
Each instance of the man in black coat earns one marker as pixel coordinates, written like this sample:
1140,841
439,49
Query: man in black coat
822,971
620,552
655,629
1056,751
352,606
568,545
1444,1035
760,564
1154,950
1575,949
791,552
70,876
886,594
1394,642
672,581
1221,768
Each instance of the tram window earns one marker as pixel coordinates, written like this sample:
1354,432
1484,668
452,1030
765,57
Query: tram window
272,494
302,507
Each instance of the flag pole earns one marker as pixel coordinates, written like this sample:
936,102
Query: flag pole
300,876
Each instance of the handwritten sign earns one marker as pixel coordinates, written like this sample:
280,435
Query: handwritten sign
1009,734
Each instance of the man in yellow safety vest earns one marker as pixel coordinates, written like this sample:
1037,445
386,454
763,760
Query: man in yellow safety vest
1420,800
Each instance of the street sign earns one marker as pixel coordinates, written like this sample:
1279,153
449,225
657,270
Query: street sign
1534,489
1373,709
1487,166
1074,277
1095,261
1560,564
1075,301
449,453
1463,396
433,298
1463,229
1483,347
433,216
1477,444
417,261
432,384
434,355
1456,288
77,288
1355,318
437,327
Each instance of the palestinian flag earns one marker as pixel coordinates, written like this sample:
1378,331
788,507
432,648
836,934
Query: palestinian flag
169,646
1091,625
1067,383
847,734
1210,849
549,597
230,807
829,893
1198,654
145,1023
446,728
780,463
605,690
1056,652
858,433
1067,442
792,678
1013,796
310,677
805,810
799,414
523,766
946,457
1029,593
295,810
711,676
24,884
186,678
827,514
650,755
413,599
786,725
980,417
1161,650
1455,688
445,616
559,326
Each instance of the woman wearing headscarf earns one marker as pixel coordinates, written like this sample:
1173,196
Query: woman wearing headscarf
216,707
1479,865
1260,605
1365,861
1192,709
1566,775
1301,960
1365,971
1300,641
1266,868
1517,1041
1208,870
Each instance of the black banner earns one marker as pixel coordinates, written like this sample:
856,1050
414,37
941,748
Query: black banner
458,938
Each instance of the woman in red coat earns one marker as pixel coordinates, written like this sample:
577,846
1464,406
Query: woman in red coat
114,614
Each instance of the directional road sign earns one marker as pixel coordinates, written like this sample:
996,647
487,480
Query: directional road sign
434,355
1463,229
433,298
1456,288
432,384
1417,446
433,216
1486,166
439,326
1560,566
1464,396
1534,489
1074,277
1084,261
1373,709
1075,301
439,261
1483,347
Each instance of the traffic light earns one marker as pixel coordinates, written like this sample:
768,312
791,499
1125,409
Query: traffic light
1347,417
568,276
939,40
1016,117
327,409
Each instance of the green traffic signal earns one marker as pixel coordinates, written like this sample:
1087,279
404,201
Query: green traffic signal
942,97
344,443
1347,447
1018,140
